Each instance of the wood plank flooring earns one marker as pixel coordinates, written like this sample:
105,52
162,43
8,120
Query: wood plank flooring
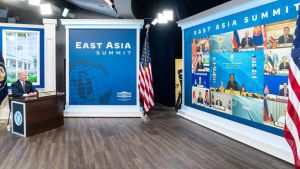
167,142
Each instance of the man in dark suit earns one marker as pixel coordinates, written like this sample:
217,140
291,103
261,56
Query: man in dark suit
200,99
284,91
247,42
232,84
23,88
286,37
200,63
284,64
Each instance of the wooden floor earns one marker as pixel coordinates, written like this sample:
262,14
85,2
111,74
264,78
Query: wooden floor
168,141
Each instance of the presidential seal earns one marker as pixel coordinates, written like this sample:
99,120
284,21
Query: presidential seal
2,76
18,118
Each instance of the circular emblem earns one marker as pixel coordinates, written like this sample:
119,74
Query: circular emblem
18,118
2,76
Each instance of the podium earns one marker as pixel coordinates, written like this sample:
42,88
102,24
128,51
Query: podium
36,115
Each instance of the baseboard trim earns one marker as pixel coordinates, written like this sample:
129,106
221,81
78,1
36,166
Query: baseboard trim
258,139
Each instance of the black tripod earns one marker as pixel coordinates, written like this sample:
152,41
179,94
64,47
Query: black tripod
179,99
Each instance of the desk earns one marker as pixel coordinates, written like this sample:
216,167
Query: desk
36,115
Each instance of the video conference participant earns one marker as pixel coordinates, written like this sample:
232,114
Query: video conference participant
284,91
243,90
218,101
281,119
23,88
232,84
284,64
247,42
286,37
200,63
200,99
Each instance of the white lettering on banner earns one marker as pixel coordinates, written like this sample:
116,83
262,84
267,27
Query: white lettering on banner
276,12
91,45
226,25
204,30
118,45
263,15
297,6
78,45
98,45
112,53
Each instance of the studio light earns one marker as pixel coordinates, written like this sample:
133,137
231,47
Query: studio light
161,18
109,2
65,12
46,9
168,14
34,2
154,22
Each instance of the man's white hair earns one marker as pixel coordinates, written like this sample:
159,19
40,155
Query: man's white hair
22,72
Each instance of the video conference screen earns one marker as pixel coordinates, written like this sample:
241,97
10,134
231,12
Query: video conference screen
243,73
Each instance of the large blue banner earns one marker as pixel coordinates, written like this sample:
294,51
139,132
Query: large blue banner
102,67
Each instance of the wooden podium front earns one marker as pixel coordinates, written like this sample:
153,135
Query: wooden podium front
36,115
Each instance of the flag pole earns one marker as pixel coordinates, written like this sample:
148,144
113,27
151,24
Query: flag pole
147,33
145,117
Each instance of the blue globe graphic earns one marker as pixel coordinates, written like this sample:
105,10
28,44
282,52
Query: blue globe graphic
89,85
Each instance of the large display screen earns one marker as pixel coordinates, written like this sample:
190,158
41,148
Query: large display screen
237,66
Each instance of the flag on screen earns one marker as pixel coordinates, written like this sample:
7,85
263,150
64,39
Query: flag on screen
3,84
267,115
266,91
194,56
270,59
265,37
258,39
235,40
292,121
145,81
194,47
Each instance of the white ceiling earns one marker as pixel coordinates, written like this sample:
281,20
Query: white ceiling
100,6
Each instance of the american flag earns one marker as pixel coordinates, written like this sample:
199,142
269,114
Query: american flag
292,121
145,82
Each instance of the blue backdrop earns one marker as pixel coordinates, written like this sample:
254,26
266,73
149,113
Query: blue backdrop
102,67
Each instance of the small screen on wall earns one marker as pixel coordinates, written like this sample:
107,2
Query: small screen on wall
21,51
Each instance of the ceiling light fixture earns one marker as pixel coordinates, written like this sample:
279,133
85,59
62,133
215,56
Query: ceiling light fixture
161,18
164,17
65,12
154,22
46,9
168,14
34,2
